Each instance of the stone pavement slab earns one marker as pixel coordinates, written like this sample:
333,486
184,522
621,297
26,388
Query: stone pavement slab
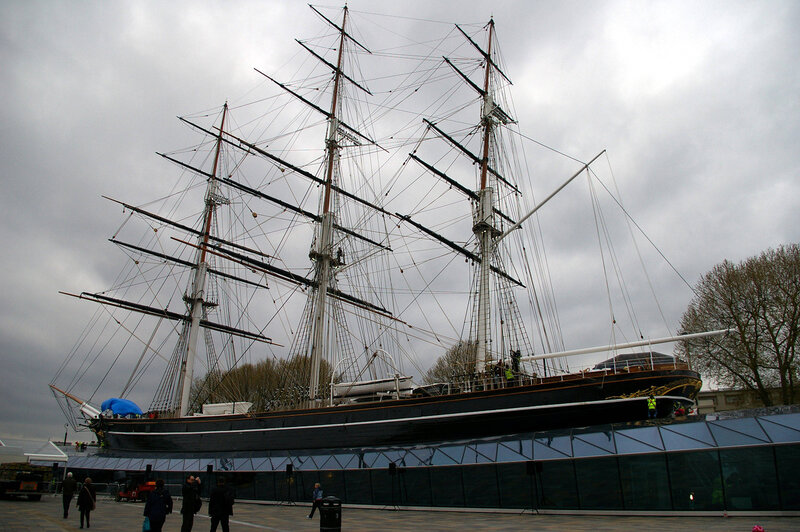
45,516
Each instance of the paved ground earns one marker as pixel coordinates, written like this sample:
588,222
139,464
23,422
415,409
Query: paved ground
45,516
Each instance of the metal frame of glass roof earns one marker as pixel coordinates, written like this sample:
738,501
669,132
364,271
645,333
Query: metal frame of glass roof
607,440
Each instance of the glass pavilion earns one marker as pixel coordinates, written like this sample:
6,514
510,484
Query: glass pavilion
700,464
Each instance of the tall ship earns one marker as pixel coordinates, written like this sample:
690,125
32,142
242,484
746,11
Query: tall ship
319,240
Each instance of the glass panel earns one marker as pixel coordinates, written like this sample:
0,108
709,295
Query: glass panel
481,459
191,465
176,464
300,484
644,439
598,484
445,486
124,464
548,447
695,480
777,431
225,464
358,486
470,455
380,461
244,485
415,486
371,458
286,486
259,464
327,462
423,456
242,464
487,450
456,452
136,464
526,448
601,439
593,444
787,458
516,485
555,485
332,483
750,479
395,456
385,489
412,460
748,429
480,486
306,463
173,482
687,436
204,463
279,463
645,484
789,420
264,486
407,459
351,461
441,458
506,454
161,464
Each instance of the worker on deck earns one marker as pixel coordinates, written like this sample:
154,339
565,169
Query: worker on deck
651,407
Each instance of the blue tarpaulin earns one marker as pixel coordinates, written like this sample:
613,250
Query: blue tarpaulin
121,407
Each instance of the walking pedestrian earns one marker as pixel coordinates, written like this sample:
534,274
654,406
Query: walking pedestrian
316,497
67,492
191,503
86,500
158,505
220,506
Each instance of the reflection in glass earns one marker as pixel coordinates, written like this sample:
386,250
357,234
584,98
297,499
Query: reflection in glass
645,484
695,480
598,484
750,479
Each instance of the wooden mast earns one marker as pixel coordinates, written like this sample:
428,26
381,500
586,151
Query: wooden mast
484,226
323,254
197,297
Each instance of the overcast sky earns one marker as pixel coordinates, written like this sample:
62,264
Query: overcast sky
698,104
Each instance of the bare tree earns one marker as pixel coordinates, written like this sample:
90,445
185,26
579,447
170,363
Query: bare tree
268,384
457,361
759,300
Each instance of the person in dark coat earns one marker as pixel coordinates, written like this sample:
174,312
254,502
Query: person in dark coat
86,500
67,492
220,506
190,504
158,505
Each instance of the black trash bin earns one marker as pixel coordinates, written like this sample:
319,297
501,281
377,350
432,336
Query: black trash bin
330,515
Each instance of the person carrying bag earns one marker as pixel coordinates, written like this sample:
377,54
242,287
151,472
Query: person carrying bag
86,501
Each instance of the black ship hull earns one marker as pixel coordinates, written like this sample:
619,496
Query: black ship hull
572,401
